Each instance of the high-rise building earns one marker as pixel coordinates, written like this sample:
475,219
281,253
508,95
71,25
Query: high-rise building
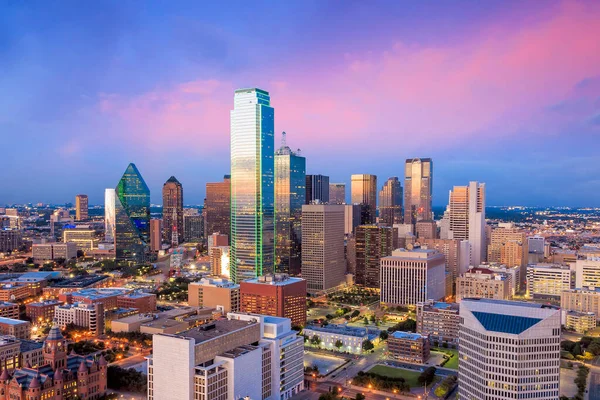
10,240
290,194
372,243
508,246
466,208
457,261
172,195
364,191
156,227
193,227
426,230
252,185
277,295
81,207
323,262
587,273
110,222
536,249
89,316
132,216
390,202
317,189
217,207
508,350
410,277
418,187
337,193
483,283
352,214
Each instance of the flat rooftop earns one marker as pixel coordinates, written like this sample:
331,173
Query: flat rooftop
407,335
215,329
79,282
339,330
10,321
96,294
510,303
275,280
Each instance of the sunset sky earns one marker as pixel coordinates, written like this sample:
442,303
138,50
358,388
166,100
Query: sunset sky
507,93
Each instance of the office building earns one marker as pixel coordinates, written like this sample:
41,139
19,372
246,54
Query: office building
352,215
363,191
508,350
426,230
83,236
587,273
219,260
10,351
53,251
337,193
14,292
141,301
246,356
172,213
350,337
457,258
466,212
215,293
10,239
276,295
156,228
290,195
217,207
193,227
317,189
41,312
513,275
536,249
81,207
409,277
581,300
418,179
580,322
483,283
372,243
132,216
409,347
15,327
548,281
9,310
90,316
508,246
110,223
390,202
439,321
107,296
323,263
252,185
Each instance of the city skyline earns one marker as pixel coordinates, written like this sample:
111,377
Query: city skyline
504,100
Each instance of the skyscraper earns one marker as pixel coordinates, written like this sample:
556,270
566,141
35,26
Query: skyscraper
132,216
467,218
81,207
372,243
317,189
390,202
337,193
252,184
323,263
156,229
364,191
172,194
418,177
109,215
217,207
290,192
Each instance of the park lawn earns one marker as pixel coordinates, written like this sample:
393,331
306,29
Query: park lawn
410,377
453,361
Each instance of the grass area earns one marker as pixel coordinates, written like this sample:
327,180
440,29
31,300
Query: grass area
410,377
453,361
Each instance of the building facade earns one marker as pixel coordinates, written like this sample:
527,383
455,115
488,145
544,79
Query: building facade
363,190
410,347
581,300
390,202
90,316
215,293
439,321
372,243
84,237
351,338
156,228
81,207
418,179
587,273
172,196
317,189
337,193
483,283
547,281
217,207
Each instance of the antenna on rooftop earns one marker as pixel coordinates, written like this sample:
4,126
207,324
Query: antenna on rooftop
283,143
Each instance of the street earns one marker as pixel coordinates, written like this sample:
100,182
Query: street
594,381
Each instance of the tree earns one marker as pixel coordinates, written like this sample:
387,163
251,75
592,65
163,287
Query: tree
576,350
126,379
359,396
567,345
315,340
427,376
366,321
383,335
80,253
60,261
355,314
372,319
339,344
367,345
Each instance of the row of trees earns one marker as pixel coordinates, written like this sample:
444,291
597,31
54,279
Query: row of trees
586,348
315,340
381,382
129,380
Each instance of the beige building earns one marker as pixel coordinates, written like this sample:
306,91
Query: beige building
9,310
457,258
215,293
81,207
53,251
89,316
85,239
439,321
582,300
508,246
219,260
580,322
14,327
587,273
426,230
483,283
548,281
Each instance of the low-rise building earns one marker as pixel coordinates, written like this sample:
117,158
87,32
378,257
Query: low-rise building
580,322
42,311
548,281
169,322
12,292
9,310
107,296
14,327
144,302
53,251
215,293
410,347
351,338
483,283
439,321
582,300
78,283
89,316
84,238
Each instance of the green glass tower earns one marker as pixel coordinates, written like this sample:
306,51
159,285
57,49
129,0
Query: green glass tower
252,185
132,216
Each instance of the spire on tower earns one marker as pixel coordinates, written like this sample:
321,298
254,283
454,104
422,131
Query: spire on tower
283,142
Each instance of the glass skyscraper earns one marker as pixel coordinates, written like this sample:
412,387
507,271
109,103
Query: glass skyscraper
418,187
252,185
109,215
132,216
363,190
290,192
390,202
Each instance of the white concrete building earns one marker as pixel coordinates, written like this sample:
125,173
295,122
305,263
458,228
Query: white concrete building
508,350
587,273
89,316
549,280
351,337
410,277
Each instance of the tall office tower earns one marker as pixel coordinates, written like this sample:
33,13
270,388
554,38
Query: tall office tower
132,216
317,189
337,193
411,277
156,228
110,199
290,193
451,249
519,356
172,195
81,207
418,186
193,227
252,185
323,263
277,295
536,247
217,207
390,202
352,213
372,243
467,218
508,246
364,191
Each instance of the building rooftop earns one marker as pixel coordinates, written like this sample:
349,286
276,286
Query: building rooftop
408,335
505,323
10,321
239,351
581,314
509,303
80,281
276,280
216,282
44,303
7,304
215,329
97,294
7,339
417,253
339,329
138,295
29,345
